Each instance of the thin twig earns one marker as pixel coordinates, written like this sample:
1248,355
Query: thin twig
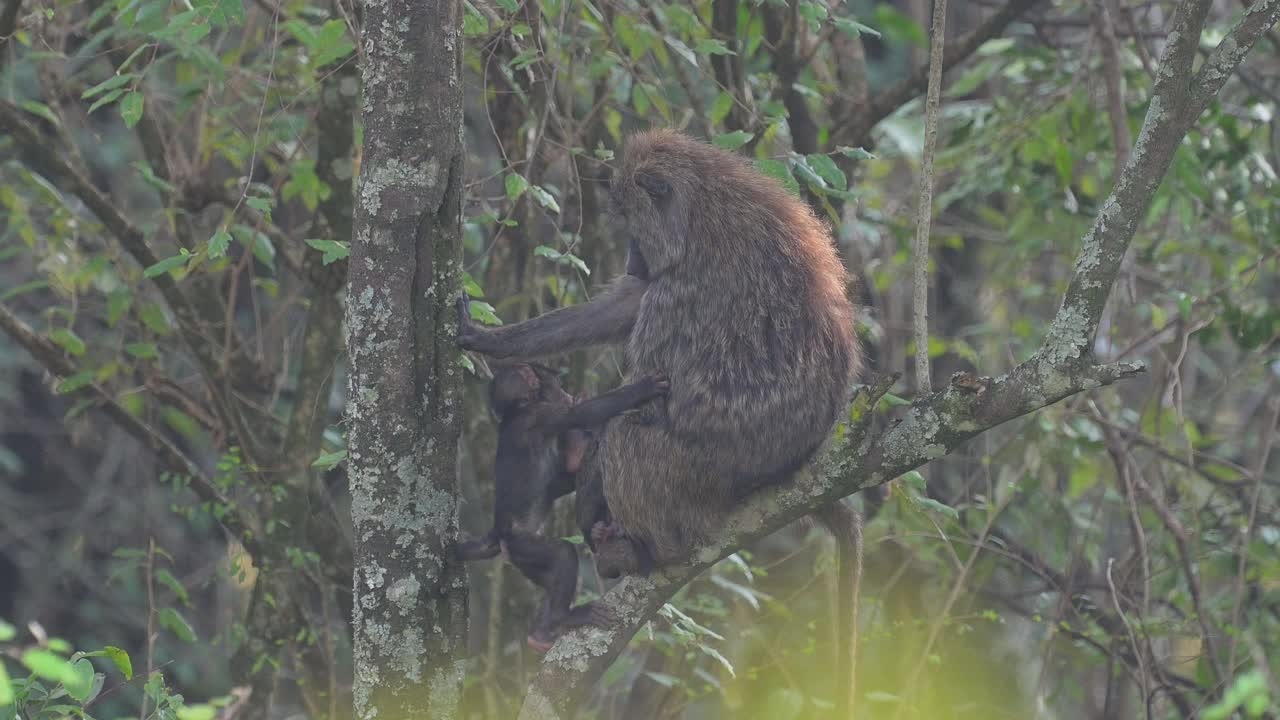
924,210
1112,73
1264,454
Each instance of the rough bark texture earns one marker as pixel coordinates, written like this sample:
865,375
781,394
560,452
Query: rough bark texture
940,422
403,411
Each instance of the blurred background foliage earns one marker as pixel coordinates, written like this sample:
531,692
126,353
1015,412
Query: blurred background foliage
175,206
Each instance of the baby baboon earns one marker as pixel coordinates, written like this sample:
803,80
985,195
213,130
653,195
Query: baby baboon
735,291
540,446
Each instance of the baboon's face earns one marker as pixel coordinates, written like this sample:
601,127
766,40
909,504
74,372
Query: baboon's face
648,206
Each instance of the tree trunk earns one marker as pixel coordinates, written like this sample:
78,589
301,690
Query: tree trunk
404,405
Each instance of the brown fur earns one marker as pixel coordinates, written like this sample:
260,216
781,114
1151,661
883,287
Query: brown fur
738,296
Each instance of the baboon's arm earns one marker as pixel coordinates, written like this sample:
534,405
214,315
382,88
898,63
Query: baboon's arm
607,319
597,411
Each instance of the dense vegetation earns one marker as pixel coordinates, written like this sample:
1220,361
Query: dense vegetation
177,203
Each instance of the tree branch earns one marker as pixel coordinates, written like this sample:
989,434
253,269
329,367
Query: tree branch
51,358
939,423
194,323
1177,101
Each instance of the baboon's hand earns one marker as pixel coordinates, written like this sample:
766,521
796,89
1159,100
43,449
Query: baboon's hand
656,384
469,336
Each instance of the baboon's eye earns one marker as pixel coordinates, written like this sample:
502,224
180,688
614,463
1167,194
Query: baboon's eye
657,188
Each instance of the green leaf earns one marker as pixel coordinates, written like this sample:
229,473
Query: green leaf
715,655
303,31
899,26
111,83
682,50
219,243
473,22
261,204
173,621
152,179
640,99
826,167
721,107
152,315
75,382
6,689
108,98
544,198
164,266
813,13
66,339
562,258
305,183
79,680
7,631
121,660
733,140
509,5
914,479
995,46
779,171
40,109
131,108
221,12
890,400
709,46
853,28
332,249
934,505
525,58
855,153
807,173
516,185
118,302
484,312
470,286
167,579
331,43
1063,162
23,289
264,250
47,665
329,461
142,47
202,711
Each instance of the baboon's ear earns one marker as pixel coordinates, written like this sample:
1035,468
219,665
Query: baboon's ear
657,188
